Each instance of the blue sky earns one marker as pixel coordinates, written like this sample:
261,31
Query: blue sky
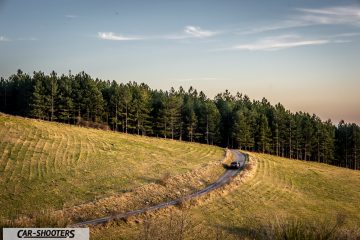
304,54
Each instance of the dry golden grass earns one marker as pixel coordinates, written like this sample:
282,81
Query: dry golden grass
74,173
285,188
273,197
56,166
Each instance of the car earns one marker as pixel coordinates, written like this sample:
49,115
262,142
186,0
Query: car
235,165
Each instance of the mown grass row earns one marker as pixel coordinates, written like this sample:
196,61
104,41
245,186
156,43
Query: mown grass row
282,199
50,165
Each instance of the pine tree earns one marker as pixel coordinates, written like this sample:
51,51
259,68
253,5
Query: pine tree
232,121
263,134
53,86
190,119
65,109
174,104
241,129
3,94
126,98
115,103
38,109
225,104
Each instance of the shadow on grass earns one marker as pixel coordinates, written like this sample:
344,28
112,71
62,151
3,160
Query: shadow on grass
295,229
227,167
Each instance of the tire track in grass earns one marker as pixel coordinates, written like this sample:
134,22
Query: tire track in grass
17,160
43,161
77,151
47,160
38,161
3,157
266,187
91,142
205,153
27,145
7,162
35,151
3,144
36,167
29,153
280,190
55,147
80,147
87,160
59,147
70,153
63,158
13,161
30,138
271,191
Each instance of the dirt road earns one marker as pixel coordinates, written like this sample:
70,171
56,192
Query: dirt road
228,175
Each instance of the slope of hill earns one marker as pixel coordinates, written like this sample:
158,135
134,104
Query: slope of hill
276,192
287,188
46,165
84,173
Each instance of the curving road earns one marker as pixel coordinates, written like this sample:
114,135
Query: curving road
228,175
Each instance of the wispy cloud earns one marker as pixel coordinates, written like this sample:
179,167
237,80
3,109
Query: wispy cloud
335,10
192,32
112,36
285,24
305,17
280,42
198,32
4,39
331,15
188,33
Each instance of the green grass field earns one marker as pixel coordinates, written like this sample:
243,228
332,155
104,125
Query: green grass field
47,165
286,188
277,191
84,173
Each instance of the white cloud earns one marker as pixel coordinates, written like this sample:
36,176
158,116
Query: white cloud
114,37
192,32
275,26
280,42
197,32
346,15
343,15
188,33
4,39
342,11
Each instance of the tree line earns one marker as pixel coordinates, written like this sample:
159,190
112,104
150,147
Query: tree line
188,115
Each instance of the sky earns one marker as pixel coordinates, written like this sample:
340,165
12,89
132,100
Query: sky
303,54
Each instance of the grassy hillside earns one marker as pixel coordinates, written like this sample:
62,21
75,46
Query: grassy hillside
85,173
54,166
276,191
286,188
